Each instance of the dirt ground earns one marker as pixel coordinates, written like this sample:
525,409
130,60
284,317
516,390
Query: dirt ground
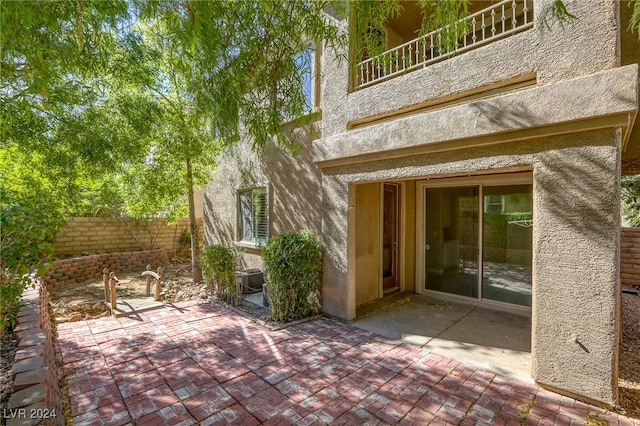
74,302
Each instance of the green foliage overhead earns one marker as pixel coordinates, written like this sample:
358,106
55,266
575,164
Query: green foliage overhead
120,107
631,199
634,24
557,12
293,265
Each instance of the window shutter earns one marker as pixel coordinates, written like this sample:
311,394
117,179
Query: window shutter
246,219
253,215
261,215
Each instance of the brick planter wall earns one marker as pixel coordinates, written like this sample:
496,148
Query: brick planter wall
630,256
36,392
79,269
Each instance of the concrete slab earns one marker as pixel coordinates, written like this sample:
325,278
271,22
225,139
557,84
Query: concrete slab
255,298
493,340
134,305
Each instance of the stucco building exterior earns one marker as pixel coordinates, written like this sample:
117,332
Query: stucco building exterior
491,176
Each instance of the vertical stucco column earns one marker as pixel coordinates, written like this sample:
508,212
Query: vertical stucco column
576,252
338,295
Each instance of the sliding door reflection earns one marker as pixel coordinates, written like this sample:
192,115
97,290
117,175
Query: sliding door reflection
507,243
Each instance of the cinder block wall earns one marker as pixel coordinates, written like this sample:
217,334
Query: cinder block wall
630,256
79,269
91,235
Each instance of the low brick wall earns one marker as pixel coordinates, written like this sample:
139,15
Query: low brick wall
88,235
630,256
36,391
79,269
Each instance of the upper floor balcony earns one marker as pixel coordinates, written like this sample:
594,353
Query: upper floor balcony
487,21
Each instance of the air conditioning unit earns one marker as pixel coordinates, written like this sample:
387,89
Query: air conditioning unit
251,280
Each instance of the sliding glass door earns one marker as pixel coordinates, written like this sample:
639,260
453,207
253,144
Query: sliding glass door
451,235
506,243
478,241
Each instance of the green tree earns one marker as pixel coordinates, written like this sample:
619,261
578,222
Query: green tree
631,199
106,93
30,214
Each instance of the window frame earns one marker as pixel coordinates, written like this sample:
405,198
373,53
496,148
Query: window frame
489,204
256,241
313,111
310,47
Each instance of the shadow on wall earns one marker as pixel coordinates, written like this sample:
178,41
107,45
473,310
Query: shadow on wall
576,175
518,116
335,206
579,186
293,181
296,184
215,227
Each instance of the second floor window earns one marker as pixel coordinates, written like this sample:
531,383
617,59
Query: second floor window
253,216
305,63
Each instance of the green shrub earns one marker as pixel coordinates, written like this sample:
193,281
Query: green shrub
27,227
219,267
293,264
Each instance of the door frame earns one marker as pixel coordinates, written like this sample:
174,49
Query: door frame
508,178
399,225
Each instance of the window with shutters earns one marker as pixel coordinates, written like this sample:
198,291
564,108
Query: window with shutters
253,216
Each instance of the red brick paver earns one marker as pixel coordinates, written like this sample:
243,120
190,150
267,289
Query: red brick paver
200,363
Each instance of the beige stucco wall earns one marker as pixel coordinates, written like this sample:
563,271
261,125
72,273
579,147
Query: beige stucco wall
604,99
568,123
576,242
292,182
576,251
590,44
368,242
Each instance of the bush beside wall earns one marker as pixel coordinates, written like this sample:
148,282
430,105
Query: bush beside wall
293,265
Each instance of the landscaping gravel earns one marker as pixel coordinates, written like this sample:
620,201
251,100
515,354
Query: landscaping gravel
7,353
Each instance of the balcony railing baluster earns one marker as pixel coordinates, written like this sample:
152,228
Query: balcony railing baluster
409,56
483,26
493,23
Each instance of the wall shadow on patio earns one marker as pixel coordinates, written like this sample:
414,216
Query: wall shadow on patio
205,361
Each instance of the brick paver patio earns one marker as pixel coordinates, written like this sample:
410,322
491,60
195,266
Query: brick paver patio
200,363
